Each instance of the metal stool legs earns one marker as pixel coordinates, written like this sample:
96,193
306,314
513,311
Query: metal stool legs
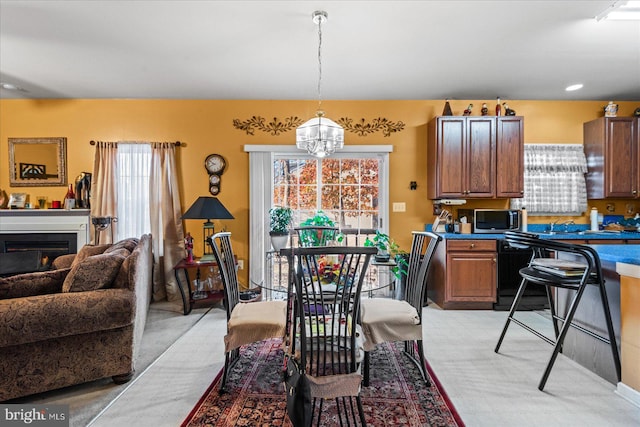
566,324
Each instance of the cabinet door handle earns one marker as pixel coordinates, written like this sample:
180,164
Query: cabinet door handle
494,260
472,245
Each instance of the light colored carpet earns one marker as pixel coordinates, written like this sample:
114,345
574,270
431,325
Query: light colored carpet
164,326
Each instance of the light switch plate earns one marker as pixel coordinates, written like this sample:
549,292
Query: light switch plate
399,207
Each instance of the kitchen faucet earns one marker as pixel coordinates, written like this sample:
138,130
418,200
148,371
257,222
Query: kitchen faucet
566,224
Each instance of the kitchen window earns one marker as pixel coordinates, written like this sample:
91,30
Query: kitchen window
554,180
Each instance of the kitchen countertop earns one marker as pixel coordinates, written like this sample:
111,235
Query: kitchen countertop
575,232
627,254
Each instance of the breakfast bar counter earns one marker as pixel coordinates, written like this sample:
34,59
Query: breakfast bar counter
621,270
627,268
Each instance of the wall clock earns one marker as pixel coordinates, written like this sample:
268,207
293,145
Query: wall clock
215,164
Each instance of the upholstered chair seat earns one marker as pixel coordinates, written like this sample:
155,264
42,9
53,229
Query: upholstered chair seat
385,320
255,321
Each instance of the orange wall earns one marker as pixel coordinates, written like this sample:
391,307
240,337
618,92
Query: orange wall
206,126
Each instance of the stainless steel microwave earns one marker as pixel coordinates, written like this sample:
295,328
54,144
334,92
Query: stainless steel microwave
496,220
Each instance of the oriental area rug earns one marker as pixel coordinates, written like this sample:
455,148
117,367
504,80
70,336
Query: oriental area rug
397,395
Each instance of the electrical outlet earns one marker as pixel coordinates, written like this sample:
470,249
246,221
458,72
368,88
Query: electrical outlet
240,264
400,207
630,208
611,207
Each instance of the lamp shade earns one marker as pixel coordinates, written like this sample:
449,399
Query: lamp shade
207,208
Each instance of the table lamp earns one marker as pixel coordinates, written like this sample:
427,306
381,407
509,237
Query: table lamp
207,208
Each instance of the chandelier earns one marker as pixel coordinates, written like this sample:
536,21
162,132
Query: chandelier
320,136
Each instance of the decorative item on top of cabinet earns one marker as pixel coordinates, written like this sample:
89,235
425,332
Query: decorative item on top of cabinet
611,109
463,153
447,109
612,149
508,111
498,107
467,111
484,111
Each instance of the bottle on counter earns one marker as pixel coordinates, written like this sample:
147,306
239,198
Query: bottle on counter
593,216
70,198
525,225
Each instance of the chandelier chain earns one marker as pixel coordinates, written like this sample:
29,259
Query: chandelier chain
320,62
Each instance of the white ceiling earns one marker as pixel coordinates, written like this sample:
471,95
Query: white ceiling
268,50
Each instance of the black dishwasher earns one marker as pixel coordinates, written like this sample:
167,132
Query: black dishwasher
510,261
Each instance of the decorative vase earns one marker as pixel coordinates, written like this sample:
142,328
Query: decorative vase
279,241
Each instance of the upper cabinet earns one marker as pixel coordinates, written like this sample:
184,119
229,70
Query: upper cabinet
510,157
611,145
475,157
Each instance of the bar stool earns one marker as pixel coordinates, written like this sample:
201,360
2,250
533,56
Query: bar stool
535,274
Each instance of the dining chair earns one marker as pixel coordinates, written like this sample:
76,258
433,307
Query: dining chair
390,320
315,235
246,322
328,343
581,270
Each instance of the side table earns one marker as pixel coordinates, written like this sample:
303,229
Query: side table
184,266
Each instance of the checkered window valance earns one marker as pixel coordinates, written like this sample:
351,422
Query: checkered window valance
554,182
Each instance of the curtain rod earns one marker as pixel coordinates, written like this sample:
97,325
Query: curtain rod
177,143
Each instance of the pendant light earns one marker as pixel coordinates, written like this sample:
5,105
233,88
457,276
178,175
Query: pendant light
320,136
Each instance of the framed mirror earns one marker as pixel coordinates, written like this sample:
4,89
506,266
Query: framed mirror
37,162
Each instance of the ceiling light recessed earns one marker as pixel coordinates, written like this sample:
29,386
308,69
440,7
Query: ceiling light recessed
621,11
11,86
576,86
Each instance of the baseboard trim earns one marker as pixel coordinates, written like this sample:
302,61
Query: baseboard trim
629,393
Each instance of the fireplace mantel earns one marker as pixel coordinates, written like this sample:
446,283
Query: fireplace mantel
39,221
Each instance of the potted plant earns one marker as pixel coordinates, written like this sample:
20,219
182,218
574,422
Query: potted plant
388,248
280,222
320,219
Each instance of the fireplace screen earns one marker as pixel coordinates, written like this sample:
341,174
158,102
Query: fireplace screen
25,253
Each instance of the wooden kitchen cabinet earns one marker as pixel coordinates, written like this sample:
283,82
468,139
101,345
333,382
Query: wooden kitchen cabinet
510,157
463,154
612,148
464,274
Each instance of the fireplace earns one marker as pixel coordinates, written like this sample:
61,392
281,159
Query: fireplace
30,239
24,253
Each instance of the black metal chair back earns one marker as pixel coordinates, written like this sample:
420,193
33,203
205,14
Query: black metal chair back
220,243
423,246
325,331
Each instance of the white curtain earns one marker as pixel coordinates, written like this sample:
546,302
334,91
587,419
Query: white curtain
554,182
134,168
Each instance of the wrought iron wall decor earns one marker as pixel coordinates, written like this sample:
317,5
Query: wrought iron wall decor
275,127
362,128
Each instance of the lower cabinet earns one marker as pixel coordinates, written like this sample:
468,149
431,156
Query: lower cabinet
464,274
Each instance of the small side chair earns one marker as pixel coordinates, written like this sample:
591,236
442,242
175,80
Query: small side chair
246,322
